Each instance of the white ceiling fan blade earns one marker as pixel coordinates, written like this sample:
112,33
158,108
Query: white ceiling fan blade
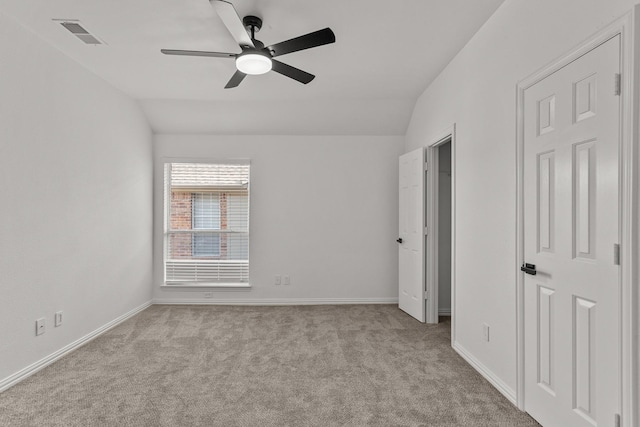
232,21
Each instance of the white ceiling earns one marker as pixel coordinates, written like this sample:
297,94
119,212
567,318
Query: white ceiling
385,55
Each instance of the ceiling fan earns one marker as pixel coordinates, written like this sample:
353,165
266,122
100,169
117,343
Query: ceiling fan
256,58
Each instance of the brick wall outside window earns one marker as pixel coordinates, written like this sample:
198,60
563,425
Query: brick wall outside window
182,219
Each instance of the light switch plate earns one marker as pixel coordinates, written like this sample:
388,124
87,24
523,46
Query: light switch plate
40,326
58,318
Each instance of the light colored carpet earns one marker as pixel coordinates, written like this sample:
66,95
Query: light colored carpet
356,365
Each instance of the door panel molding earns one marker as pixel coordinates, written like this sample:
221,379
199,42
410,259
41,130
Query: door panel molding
627,28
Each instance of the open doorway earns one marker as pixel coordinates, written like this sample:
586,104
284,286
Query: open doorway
442,229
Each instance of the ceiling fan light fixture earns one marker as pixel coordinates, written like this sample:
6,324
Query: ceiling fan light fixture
253,63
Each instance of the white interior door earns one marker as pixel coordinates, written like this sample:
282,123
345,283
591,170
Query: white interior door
571,219
411,234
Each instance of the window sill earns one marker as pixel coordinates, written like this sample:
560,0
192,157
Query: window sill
211,286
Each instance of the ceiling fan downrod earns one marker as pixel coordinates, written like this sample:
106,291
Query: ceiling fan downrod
253,24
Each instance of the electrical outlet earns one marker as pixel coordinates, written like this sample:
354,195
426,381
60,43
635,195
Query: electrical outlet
208,294
278,280
485,332
286,280
40,326
58,318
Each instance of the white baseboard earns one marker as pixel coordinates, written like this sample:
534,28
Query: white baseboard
444,312
275,301
43,363
487,374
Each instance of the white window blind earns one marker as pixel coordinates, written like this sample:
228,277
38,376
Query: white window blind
206,223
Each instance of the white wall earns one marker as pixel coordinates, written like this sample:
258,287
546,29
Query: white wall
477,92
324,210
75,192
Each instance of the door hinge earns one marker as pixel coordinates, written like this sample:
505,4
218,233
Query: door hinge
617,420
618,84
426,231
426,166
616,254
426,294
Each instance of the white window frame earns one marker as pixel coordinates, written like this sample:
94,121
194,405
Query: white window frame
166,201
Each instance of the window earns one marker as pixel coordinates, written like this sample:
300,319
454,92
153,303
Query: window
206,223
205,216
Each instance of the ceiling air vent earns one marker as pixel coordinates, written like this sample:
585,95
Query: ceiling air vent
79,31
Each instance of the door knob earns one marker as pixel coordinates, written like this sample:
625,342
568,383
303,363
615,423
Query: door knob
399,240
529,269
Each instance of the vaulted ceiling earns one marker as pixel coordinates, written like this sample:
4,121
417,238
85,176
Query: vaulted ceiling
385,55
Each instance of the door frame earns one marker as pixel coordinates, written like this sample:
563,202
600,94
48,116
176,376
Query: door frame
431,221
626,27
